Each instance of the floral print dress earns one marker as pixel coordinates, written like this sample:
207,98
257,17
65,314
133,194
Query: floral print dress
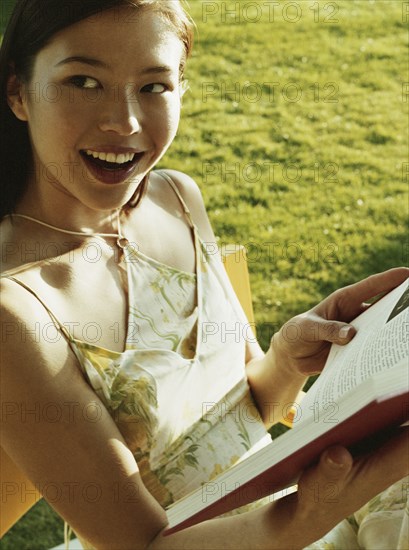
178,393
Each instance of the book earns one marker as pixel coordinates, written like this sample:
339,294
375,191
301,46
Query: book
359,400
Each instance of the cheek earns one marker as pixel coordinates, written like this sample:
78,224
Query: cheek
169,121
58,119
53,129
48,126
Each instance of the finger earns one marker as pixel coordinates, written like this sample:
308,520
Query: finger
337,332
348,302
315,329
336,462
374,285
331,473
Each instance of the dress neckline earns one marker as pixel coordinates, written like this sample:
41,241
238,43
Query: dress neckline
128,249
199,290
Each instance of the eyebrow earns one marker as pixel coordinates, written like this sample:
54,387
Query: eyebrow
100,64
82,59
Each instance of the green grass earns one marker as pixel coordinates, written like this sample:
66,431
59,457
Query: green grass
40,529
335,209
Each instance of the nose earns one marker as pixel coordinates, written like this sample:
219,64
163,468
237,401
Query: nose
122,114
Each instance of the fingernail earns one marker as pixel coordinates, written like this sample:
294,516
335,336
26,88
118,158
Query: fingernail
344,331
335,458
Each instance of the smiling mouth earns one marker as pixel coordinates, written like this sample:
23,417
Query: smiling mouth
112,166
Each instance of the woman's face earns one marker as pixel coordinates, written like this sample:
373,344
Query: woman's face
103,105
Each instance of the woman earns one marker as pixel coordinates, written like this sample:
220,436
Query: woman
108,293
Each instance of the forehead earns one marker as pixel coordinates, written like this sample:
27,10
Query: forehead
119,36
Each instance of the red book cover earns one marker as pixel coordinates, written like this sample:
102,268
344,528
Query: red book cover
367,427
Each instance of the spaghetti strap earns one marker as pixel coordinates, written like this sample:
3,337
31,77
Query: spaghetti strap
177,192
197,245
54,319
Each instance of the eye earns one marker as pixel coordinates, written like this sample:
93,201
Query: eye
81,81
156,88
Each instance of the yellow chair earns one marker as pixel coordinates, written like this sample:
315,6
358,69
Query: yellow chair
235,261
18,494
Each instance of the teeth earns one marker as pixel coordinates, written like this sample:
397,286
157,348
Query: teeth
111,157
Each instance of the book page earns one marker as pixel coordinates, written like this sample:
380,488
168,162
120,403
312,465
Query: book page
380,343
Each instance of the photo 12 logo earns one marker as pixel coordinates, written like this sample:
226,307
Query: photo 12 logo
269,11
269,92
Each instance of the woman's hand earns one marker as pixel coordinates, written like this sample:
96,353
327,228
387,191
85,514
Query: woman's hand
303,343
338,486
300,349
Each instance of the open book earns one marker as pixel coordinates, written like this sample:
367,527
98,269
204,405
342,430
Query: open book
361,396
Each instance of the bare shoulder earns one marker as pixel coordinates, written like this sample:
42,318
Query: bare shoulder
191,194
36,363
188,188
34,350
15,307
31,344
17,304
185,183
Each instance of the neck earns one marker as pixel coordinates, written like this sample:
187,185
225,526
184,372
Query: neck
68,213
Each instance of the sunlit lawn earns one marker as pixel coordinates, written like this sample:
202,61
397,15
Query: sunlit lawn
296,129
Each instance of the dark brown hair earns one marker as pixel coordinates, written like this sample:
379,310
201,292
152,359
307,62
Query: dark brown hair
32,24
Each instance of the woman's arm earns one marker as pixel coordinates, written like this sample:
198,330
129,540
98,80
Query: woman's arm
60,434
62,437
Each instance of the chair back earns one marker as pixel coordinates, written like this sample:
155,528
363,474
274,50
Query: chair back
235,262
18,494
